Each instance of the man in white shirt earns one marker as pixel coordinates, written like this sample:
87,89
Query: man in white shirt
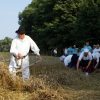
19,53
84,61
96,59
70,61
97,49
62,58
67,60
55,52
65,51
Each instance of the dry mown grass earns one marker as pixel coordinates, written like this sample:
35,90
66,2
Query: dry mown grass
50,81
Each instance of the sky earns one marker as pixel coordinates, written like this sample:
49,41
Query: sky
9,10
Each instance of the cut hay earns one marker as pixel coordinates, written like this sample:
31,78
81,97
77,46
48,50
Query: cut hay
49,81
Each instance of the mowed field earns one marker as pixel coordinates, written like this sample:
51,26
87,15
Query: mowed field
50,80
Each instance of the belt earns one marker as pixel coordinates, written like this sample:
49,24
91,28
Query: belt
19,66
22,56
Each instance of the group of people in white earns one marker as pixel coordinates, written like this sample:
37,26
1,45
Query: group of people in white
86,58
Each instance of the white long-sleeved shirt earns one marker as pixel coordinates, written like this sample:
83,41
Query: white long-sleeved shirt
88,57
67,60
23,46
96,56
96,50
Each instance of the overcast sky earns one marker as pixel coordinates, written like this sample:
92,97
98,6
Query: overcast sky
9,10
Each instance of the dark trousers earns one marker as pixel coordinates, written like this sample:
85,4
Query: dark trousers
84,64
73,61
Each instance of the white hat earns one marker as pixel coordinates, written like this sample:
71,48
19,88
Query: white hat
86,50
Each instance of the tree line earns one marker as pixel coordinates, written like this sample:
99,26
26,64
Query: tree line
61,23
5,44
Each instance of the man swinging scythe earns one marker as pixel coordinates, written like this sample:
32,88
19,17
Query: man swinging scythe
19,53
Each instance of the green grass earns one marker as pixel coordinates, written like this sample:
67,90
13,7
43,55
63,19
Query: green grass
55,74
52,81
4,56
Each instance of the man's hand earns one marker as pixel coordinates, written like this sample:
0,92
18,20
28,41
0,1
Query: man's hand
87,67
19,56
77,65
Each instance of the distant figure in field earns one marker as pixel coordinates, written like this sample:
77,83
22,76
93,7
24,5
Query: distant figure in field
65,51
75,49
67,60
72,58
55,52
64,55
70,50
19,53
62,58
87,46
84,61
96,60
96,49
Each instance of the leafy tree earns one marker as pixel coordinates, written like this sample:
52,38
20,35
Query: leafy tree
88,21
5,44
50,22
60,23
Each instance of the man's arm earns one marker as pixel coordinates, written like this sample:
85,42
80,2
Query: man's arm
13,49
90,60
96,65
35,49
97,60
78,62
79,59
88,64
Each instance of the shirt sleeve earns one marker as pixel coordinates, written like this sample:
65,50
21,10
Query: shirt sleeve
90,56
80,57
13,49
97,59
34,47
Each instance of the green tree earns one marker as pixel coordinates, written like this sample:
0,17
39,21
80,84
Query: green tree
50,22
5,44
59,23
88,21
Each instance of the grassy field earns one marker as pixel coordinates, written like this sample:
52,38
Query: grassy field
50,80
